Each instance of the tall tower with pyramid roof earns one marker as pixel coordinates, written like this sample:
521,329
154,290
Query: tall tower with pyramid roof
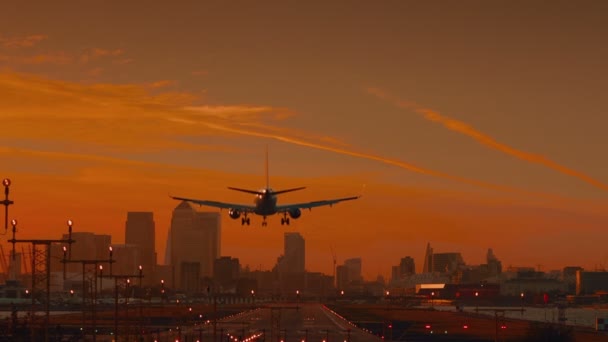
193,245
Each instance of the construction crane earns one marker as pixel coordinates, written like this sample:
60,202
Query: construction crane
333,254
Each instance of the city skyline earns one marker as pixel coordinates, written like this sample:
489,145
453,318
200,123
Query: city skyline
472,125
130,256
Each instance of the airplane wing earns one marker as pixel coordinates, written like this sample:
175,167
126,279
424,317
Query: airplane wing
310,205
222,205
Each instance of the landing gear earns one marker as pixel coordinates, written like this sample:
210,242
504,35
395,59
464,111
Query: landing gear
264,223
245,220
285,220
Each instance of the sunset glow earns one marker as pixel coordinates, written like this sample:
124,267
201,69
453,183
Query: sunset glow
467,131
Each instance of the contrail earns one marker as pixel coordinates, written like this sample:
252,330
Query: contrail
394,162
484,139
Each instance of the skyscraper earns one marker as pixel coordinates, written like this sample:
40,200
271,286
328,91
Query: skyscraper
226,272
139,231
428,259
407,266
194,238
86,246
353,267
294,253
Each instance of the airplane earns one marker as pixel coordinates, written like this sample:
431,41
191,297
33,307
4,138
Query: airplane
265,203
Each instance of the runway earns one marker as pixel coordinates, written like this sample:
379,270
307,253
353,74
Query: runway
284,322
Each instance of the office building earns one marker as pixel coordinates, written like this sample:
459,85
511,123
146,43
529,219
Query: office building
353,269
226,273
194,237
405,268
140,231
294,253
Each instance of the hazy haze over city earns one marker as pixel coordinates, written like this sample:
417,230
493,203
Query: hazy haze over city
473,125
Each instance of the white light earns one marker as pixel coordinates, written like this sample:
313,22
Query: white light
6,182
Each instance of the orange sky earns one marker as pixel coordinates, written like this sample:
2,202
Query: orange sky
473,125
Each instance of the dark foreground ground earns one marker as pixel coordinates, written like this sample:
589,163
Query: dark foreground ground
393,323
398,324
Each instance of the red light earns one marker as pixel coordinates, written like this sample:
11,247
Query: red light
503,327
428,326
390,326
465,327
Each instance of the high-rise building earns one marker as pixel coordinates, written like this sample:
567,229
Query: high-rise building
139,231
353,267
428,259
194,237
127,259
226,272
86,246
494,265
294,254
406,268
341,277
447,262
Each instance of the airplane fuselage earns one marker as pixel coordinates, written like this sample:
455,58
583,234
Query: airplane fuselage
265,203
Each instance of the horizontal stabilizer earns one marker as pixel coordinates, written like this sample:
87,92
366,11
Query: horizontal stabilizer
255,192
288,190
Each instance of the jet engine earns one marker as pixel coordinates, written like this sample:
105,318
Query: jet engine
295,213
234,213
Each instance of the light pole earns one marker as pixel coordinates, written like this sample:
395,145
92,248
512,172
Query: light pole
100,279
7,183
110,259
162,292
141,301
252,299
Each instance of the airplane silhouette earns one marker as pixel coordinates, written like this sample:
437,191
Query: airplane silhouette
265,203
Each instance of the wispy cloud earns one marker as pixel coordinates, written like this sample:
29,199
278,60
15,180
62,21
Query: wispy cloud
485,139
357,154
22,41
14,54
105,118
51,58
92,54
123,61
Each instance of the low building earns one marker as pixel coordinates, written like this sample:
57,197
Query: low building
591,282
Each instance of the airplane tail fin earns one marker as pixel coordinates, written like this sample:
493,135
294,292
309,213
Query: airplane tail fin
267,176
